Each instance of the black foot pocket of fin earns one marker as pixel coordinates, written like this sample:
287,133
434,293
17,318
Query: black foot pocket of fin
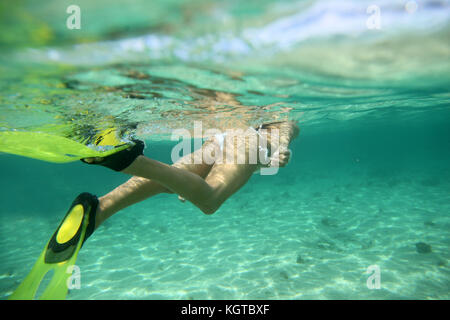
64,241
122,159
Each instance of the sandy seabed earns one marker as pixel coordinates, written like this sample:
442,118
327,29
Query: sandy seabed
308,237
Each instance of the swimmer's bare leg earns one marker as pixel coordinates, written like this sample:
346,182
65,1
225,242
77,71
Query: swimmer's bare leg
207,194
137,189
133,191
205,187
222,181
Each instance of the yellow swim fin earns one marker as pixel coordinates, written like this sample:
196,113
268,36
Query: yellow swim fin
108,137
61,252
57,149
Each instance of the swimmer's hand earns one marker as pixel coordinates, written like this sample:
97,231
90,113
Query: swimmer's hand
280,159
289,130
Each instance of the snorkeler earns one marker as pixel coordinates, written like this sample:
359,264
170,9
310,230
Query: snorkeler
206,185
194,177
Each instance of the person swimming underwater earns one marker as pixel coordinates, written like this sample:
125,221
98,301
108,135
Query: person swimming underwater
206,185
205,181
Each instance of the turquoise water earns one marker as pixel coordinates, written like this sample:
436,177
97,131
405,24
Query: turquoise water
369,177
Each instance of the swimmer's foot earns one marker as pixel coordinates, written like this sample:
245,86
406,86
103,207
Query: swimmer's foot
120,160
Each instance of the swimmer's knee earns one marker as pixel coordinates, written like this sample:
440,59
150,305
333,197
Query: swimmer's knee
210,207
